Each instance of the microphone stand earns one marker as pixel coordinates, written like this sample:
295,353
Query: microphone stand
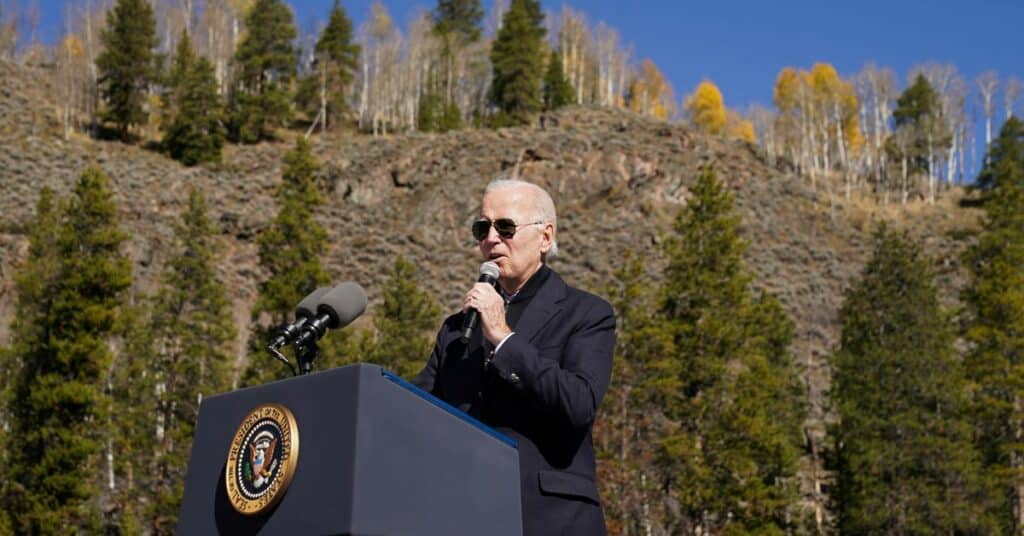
306,354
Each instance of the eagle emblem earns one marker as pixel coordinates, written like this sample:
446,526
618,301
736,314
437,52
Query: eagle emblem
261,452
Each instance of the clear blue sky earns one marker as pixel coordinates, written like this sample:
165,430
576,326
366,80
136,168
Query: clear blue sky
742,45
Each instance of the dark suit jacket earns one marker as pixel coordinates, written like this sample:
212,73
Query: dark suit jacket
543,388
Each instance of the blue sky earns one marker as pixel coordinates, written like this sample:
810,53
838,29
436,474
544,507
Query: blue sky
742,45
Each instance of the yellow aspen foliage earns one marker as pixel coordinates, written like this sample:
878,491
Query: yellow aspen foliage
837,99
851,121
650,93
241,7
71,46
787,90
706,108
740,128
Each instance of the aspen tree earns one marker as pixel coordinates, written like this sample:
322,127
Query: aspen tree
706,108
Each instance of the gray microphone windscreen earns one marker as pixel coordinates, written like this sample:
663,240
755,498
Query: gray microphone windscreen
307,307
344,303
490,269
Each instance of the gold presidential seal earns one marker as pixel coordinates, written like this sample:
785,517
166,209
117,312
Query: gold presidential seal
262,458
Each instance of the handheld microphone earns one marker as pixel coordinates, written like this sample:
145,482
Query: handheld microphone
305,310
336,309
489,273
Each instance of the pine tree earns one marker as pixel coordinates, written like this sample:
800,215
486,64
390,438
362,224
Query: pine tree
458,20
633,419
1005,167
289,251
405,323
324,92
905,461
192,343
127,65
557,90
33,282
435,115
730,385
266,63
457,25
59,418
194,131
918,122
995,318
517,62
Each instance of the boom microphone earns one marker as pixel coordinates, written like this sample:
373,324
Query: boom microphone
336,309
489,273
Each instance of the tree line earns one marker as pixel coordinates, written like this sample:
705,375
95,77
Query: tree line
118,70
862,132
119,67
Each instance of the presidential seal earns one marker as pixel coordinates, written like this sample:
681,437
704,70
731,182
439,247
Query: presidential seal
262,458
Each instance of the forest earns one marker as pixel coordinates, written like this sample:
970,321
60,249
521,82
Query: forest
702,431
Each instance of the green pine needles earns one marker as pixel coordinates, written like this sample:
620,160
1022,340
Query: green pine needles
904,457
73,290
708,384
260,99
127,65
517,60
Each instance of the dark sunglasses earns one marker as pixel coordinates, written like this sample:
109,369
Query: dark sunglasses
505,227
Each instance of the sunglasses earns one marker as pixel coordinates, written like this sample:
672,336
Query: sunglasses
505,227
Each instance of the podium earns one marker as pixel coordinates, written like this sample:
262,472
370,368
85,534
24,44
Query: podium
374,455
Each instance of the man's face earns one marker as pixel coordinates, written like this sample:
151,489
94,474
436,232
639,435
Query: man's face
520,256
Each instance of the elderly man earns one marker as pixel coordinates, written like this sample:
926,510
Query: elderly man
538,366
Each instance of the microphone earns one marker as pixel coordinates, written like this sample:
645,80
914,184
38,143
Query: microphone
489,273
336,309
305,310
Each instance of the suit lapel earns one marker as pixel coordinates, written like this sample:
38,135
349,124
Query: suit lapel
541,308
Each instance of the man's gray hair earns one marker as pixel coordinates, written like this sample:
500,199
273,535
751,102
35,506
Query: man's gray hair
543,208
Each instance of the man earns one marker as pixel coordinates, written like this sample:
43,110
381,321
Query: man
538,365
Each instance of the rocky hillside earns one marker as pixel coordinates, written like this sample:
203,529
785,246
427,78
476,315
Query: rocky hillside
617,179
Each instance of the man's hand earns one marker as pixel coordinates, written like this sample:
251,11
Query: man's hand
491,308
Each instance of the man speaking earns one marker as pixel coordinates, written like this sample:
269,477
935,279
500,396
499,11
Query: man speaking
537,365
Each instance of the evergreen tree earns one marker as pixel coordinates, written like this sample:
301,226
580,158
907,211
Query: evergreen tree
458,20
995,319
918,122
517,61
405,323
59,417
324,91
457,25
1005,168
192,336
266,63
127,65
730,385
435,115
33,283
633,420
904,455
289,251
194,130
557,90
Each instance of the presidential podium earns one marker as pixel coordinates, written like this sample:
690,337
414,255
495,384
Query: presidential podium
351,451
